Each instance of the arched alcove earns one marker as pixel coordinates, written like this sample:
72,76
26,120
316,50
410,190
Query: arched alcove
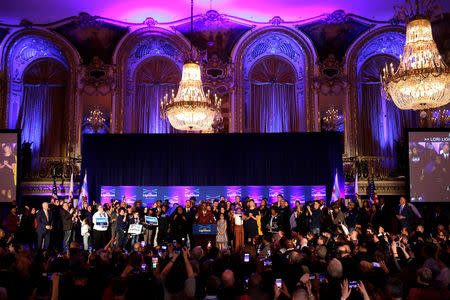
23,49
291,48
272,105
385,41
134,51
43,107
154,77
377,125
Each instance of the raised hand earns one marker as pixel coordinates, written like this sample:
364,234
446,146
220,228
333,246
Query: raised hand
345,290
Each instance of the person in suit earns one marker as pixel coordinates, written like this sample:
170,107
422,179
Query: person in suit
445,153
67,224
274,223
385,215
190,216
404,214
44,220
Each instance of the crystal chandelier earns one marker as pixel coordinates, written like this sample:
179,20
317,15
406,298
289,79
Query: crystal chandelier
95,121
191,109
422,80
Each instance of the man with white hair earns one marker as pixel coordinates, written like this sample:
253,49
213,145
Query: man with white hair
335,269
100,220
44,220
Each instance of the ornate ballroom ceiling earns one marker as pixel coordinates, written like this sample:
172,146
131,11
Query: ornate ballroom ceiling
46,11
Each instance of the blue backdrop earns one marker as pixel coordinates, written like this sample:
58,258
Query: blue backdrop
240,159
179,194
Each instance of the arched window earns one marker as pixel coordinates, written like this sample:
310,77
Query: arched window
380,123
152,68
43,107
272,96
272,105
155,77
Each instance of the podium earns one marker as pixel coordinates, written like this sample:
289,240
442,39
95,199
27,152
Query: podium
203,234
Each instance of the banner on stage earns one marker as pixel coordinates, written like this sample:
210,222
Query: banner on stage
204,229
135,229
151,221
101,221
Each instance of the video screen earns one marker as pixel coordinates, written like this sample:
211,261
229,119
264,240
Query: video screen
8,166
429,166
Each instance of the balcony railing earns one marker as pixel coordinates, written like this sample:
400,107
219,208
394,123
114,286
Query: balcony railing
45,168
383,168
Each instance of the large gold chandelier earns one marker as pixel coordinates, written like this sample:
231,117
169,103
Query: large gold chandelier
422,80
191,109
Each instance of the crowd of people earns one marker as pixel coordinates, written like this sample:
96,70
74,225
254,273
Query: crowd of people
354,250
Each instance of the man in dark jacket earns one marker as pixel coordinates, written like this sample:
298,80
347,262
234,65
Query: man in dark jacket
404,214
44,220
121,228
67,224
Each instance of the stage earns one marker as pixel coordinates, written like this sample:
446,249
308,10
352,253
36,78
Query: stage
179,194
178,166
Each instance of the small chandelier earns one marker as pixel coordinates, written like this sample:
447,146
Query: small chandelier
441,118
422,80
332,120
95,122
191,109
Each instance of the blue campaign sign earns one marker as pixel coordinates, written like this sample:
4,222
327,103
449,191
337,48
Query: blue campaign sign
151,220
204,228
101,221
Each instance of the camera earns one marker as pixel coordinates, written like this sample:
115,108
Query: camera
246,257
267,263
353,284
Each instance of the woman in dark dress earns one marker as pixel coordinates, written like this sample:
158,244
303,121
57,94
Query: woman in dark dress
264,213
178,226
8,172
251,224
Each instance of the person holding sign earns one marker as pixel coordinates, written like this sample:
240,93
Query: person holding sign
100,220
135,228
150,224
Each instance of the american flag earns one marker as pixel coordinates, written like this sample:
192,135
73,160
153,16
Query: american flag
54,191
71,190
373,191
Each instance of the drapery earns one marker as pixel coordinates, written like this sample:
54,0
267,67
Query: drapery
380,122
42,109
147,110
273,108
155,78
273,105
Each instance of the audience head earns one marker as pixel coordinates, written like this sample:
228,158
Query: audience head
335,269
228,278
424,276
